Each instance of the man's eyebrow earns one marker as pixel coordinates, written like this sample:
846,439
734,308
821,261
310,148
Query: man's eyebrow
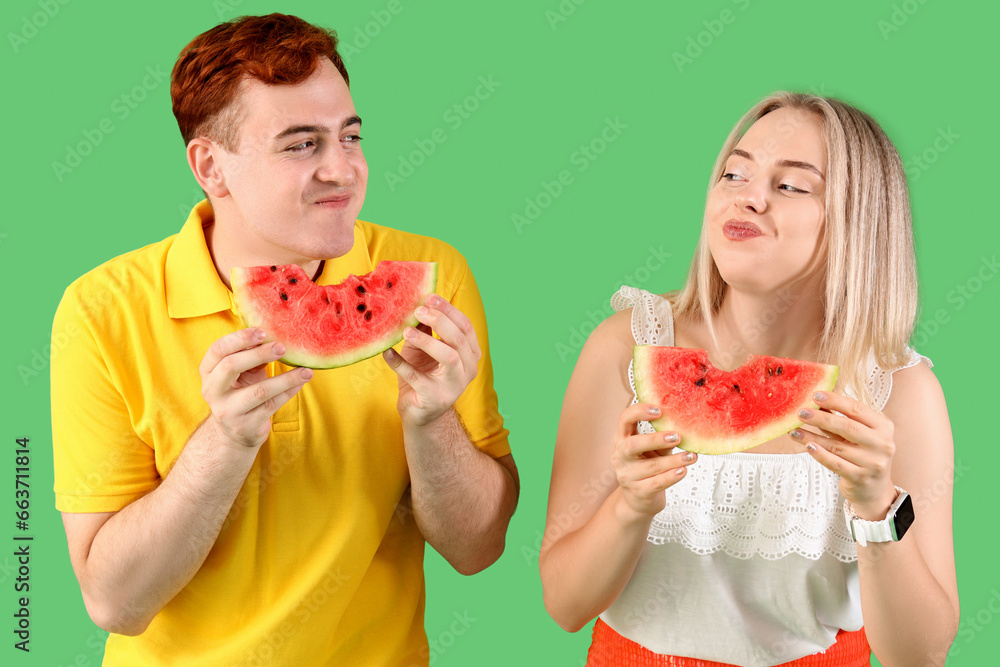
797,164
316,129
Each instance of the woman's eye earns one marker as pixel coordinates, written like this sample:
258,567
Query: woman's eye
789,188
730,176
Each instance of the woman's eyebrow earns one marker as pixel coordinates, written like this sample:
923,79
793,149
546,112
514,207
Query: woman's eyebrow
797,164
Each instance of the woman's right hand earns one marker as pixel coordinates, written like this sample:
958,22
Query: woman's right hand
644,464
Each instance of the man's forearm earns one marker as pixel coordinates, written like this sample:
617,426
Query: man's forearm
147,552
462,498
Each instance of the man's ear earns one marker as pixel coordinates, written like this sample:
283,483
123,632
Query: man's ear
201,157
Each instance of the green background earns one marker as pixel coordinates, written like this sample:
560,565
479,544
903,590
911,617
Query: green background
922,68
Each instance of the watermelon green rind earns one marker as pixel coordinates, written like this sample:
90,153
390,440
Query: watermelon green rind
725,443
253,314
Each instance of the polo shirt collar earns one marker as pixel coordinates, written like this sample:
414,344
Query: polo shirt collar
193,287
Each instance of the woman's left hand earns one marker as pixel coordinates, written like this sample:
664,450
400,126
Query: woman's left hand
858,445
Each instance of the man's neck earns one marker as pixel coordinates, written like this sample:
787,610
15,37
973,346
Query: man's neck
225,258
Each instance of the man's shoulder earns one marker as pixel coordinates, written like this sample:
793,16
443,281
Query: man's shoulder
387,243
122,280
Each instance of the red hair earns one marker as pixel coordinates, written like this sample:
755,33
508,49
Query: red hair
276,49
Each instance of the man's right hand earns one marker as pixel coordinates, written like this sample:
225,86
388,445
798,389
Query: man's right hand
234,382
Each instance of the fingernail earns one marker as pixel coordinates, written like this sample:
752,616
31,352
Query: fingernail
820,396
653,410
278,349
306,373
679,471
805,414
811,447
422,311
410,332
796,433
260,334
434,301
671,437
689,456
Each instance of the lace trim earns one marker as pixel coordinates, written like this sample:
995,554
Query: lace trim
745,505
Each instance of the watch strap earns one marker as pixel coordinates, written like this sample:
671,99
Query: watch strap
884,530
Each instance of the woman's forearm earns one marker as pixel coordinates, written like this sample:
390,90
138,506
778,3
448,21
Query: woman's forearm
909,618
583,572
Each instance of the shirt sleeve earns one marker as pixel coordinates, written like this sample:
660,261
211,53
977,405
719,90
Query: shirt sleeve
101,465
477,407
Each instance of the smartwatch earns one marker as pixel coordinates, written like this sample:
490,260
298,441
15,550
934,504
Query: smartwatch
890,529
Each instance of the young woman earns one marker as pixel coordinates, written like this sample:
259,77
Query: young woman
747,559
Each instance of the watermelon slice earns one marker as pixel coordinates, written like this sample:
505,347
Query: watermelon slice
720,412
328,326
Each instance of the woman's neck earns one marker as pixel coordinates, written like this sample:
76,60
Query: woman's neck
785,323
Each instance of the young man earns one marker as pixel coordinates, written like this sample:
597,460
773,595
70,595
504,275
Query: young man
220,507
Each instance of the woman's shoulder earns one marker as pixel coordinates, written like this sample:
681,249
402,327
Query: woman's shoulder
915,387
613,334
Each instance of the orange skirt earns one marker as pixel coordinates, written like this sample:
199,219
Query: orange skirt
610,649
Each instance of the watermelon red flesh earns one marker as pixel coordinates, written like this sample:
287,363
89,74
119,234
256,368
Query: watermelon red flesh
719,412
327,326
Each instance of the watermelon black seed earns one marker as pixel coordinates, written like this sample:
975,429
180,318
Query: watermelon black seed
293,280
388,284
284,297
736,387
361,289
361,307
326,298
368,315
778,372
339,307
700,382
274,268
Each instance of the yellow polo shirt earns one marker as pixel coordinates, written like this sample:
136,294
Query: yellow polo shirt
315,564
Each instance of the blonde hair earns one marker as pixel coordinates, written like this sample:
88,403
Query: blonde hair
870,299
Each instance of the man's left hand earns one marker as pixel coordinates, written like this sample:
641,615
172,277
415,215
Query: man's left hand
433,372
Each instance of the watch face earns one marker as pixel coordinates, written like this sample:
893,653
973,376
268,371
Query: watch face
903,519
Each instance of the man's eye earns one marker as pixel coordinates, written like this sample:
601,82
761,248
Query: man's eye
305,145
352,139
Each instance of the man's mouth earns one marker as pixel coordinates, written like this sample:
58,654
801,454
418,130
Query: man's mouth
334,201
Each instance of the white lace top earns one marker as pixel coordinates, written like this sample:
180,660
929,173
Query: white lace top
750,562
